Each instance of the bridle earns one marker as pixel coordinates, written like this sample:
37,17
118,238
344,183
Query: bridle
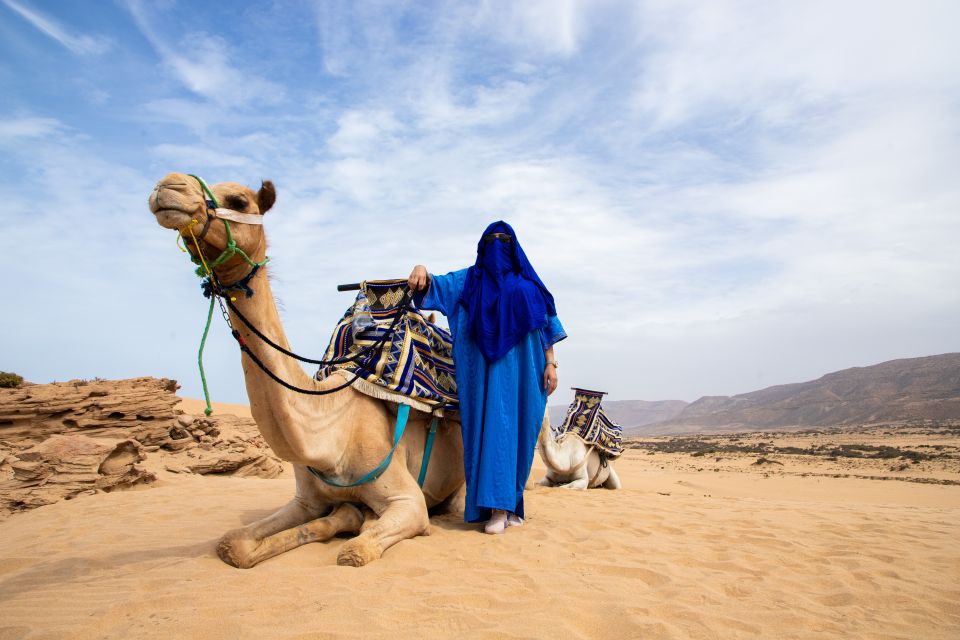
212,285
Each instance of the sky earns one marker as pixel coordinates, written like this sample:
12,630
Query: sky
722,196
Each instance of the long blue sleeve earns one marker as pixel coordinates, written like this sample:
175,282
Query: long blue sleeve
444,292
552,333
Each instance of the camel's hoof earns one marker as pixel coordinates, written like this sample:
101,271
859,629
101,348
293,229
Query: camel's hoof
237,550
358,552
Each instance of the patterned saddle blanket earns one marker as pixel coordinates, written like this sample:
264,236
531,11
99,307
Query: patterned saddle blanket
414,365
587,421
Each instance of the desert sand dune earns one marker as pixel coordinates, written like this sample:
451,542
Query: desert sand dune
677,553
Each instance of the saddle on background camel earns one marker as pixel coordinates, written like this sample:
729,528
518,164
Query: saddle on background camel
414,365
587,421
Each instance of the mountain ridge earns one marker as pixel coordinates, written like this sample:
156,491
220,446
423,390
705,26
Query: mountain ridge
926,387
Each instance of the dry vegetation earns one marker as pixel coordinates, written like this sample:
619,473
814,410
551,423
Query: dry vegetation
917,451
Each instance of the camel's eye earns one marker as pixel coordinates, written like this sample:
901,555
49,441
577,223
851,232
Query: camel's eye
237,202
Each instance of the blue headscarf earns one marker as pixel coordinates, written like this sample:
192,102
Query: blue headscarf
504,297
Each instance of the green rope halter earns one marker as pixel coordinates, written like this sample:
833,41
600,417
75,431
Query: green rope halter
204,270
231,249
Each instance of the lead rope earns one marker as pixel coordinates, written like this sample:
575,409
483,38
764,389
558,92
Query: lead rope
203,376
206,329
231,250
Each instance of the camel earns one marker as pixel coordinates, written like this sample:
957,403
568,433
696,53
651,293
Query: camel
343,435
572,464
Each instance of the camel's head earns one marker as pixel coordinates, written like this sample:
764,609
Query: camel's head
180,202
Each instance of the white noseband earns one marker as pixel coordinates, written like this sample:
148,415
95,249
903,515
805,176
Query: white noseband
236,216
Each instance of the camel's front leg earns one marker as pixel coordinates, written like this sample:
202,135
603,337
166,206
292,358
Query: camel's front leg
580,481
613,480
547,481
346,518
240,546
403,514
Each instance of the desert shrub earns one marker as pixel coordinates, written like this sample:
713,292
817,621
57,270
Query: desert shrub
10,380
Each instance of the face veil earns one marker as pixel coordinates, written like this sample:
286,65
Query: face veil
503,295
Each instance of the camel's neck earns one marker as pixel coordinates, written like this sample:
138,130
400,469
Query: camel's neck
566,456
549,449
298,427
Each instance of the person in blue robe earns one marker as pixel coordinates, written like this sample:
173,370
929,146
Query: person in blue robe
504,324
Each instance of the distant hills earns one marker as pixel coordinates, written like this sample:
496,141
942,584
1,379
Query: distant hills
912,388
636,413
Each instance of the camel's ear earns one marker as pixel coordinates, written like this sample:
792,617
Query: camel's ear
266,196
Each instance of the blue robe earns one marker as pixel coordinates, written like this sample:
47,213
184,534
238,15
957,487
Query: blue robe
501,404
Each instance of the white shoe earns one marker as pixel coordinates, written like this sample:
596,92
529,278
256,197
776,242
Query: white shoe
513,520
497,522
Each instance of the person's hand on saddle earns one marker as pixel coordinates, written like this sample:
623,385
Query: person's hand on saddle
419,278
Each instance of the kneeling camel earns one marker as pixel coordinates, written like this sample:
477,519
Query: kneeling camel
573,464
342,435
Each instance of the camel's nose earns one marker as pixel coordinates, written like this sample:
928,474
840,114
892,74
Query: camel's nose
166,194
154,198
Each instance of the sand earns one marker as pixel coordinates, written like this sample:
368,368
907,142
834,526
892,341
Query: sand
691,547
196,407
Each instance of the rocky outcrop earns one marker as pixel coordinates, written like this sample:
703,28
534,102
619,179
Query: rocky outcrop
139,408
63,439
224,445
64,466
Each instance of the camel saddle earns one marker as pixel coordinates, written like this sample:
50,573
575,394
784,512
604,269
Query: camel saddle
413,365
586,420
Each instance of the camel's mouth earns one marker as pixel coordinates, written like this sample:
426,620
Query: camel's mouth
172,208
172,218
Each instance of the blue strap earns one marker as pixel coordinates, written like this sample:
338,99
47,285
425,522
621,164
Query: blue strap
402,413
427,448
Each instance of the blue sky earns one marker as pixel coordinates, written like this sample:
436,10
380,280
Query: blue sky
722,196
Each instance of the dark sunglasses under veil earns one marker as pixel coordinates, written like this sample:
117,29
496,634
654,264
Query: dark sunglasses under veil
505,238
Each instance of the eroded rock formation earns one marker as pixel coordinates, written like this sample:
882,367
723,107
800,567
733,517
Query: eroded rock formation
62,439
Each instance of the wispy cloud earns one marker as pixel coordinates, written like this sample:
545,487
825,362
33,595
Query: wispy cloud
180,155
547,26
774,65
206,70
351,35
81,44
29,127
